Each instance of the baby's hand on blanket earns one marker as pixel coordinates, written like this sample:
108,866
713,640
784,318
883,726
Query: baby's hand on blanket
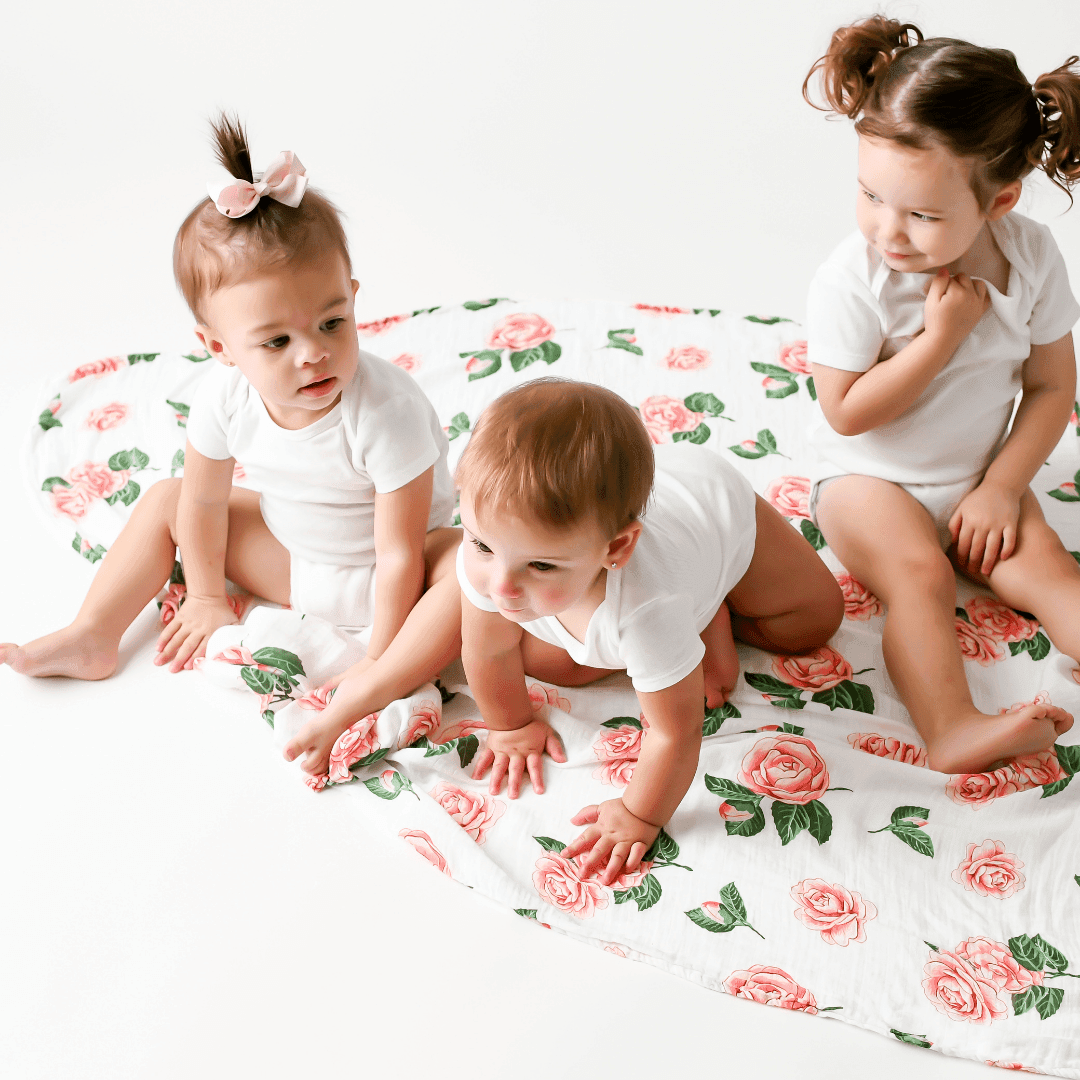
983,528
618,840
185,638
509,753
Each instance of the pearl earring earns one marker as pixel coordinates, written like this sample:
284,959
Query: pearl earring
614,566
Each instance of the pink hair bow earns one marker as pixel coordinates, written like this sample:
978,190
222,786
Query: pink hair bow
285,181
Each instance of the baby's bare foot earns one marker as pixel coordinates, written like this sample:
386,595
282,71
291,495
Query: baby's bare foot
315,740
979,742
72,652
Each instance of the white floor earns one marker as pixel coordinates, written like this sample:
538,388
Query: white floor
173,902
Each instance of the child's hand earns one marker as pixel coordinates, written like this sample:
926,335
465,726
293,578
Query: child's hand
954,305
983,528
509,753
185,638
618,840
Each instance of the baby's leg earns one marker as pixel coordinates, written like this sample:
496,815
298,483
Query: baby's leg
888,541
548,662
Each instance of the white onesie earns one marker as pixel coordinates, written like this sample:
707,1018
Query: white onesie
860,313
318,483
696,543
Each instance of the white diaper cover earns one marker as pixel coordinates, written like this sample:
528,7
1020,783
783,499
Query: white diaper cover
342,595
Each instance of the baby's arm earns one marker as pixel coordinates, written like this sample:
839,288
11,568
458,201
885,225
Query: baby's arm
491,656
984,524
858,401
622,830
202,528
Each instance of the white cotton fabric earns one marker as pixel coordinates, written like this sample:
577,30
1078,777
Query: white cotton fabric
318,483
696,543
342,595
860,313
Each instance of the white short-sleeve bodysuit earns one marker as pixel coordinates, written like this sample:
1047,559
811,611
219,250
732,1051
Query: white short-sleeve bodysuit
317,484
861,313
696,542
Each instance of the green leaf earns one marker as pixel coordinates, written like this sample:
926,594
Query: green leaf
429,310
546,351
617,339
491,357
1028,951
790,820
54,481
644,895
750,827
709,404
766,438
696,437
177,463
847,695
526,912
961,613
812,390
1075,555
911,1040
663,849
377,787
466,749
1062,496
142,357
729,790
548,844
698,917
262,682
1055,958
268,716
177,575
902,812
195,358
1049,1001
139,459
750,455
179,407
127,494
120,460
781,694
1068,757
286,662
458,424
773,370
1038,647
789,386
731,898
478,305
763,320
714,718
622,721
378,755
915,838
820,826
436,749
47,420
792,729
1025,1000
812,534
1056,787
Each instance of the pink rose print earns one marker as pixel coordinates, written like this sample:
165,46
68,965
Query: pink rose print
407,362
838,915
475,363
978,789
238,473
317,783
993,962
54,405
998,621
770,986
520,331
772,384
793,357
370,329
664,415
870,742
72,502
615,950
237,654
821,669
316,700
238,602
729,813
559,883
1069,488
955,989
790,495
474,811
108,416
630,879
463,728
97,368
652,309
749,444
352,746
687,358
97,480
424,719
859,602
422,845
543,695
617,749
976,646
174,597
1015,1066
1035,770
785,767
989,870
1041,698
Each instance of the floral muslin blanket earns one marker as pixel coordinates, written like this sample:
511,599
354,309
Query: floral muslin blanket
815,864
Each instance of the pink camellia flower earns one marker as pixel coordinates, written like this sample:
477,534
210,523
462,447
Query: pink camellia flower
238,473
749,444
653,309
663,415
97,368
463,728
772,384
1035,770
407,362
859,602
630,879
615,950
977,646
174,597
96,479
54,405
790,495
316,783
870,742
955,989
989,870
108,416
821,669
687,358
238,602
730,813
370,329
520,331
1068,487
996,620
352,746
475,363
993,962
546,695
72,502
1015,1066
793,357
770,986
840,916
785,767
422,845
617,749
1074,419
386,778
712,909
316,700
423,720
237,654
559,883
474,811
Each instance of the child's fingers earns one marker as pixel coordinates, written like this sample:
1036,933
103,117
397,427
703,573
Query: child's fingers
483,763
938,285
955,522
167,633
1008,541
536,772
637,853
601,852
978,547
616,862
515,772
186,651
990,553
587,815
554,747
582,842
498,772
963,544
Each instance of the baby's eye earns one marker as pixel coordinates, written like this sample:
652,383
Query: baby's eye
276,343
924,217
481,546
334,324
543,567
871,196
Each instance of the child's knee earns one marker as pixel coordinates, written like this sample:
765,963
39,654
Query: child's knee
161,499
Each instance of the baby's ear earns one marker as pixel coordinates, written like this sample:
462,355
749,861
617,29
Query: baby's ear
623,543
214,346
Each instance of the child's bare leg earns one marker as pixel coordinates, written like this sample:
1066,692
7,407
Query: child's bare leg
427,641
548,662
720,664
888,541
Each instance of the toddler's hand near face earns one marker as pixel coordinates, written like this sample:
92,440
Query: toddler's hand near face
509,753
185,638
954,305
616,840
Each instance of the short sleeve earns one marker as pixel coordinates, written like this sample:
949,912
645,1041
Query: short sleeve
1056,310
476,599
398,443
658,644
208,424
843,325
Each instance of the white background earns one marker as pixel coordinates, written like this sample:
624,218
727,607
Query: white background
175,903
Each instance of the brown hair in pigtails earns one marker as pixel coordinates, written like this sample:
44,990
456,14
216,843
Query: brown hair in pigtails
231,147
1057,149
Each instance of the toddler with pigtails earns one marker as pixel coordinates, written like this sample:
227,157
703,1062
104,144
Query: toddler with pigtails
923,327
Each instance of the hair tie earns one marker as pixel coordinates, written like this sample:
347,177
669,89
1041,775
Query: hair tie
1045,108
284,181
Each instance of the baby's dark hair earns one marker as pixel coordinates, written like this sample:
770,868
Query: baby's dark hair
974,102
212,250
